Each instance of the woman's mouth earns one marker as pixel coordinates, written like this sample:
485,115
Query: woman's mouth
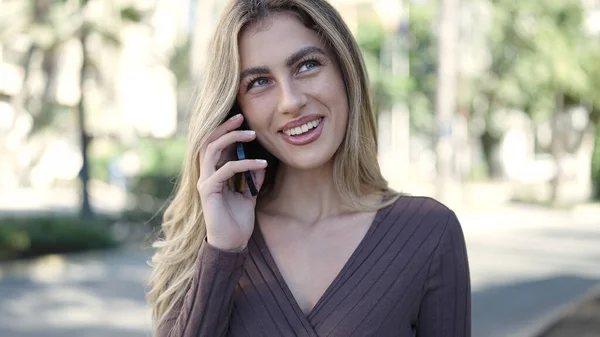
303,128
304,134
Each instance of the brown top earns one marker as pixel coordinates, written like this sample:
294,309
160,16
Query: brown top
409,276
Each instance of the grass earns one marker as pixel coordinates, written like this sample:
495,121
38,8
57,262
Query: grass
40,235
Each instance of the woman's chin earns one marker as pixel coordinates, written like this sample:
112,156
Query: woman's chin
307,164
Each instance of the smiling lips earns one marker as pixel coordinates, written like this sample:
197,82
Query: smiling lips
302,128
305,133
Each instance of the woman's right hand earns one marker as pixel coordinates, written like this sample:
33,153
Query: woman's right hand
229,215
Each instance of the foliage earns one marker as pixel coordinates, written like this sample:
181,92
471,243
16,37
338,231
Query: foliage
28,237
161,161
538,51
161,156
151,194
45,27
416,41
370,39
102,151
422,64
156,156
131,14
387,88
596,166
180,61
533,52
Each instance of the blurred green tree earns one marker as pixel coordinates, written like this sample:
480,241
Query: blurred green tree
423,64
596,166
88,27
387,88
418,88
48,25
542,61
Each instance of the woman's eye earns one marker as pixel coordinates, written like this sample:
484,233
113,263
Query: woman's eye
308,66
258,83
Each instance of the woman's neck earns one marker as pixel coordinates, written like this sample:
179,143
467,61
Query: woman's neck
306,195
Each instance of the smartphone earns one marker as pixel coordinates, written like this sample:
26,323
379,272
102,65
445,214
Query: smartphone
240,181
241,154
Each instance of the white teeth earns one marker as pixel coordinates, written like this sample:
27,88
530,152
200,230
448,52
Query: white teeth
302,129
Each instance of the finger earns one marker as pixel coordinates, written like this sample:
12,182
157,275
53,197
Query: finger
227,171
258,178
228,154
215,149
229,125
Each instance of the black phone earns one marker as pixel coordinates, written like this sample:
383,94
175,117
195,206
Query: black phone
241,154
246,179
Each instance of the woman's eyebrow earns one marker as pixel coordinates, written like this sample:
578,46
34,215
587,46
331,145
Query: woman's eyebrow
295,57
289,61
260,70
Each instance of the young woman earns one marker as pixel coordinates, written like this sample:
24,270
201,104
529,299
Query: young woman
326,248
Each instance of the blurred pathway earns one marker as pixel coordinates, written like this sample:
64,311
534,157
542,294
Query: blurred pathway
85,295
525,263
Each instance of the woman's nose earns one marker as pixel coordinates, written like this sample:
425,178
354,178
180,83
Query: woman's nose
291,99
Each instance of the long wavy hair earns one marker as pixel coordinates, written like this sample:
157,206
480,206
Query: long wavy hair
356,172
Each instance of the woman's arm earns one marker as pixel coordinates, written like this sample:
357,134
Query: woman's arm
446,305
207,306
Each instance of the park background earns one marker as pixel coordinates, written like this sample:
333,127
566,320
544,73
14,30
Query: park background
491,106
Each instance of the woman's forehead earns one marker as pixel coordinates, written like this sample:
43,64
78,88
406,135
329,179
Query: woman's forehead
275,38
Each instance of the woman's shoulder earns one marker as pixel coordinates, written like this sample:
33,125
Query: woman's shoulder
422,210
425,222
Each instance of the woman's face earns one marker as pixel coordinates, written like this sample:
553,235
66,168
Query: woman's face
292,92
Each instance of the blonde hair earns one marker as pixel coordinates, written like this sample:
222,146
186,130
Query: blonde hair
356,170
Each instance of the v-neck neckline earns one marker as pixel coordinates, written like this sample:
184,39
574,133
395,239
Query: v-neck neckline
323,299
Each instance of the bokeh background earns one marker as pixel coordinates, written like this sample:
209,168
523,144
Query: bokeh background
491,106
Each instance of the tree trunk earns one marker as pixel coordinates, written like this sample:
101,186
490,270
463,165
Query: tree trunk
86,209
445,104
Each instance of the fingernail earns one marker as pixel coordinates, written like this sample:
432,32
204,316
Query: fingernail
261,161
235,117
249,132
